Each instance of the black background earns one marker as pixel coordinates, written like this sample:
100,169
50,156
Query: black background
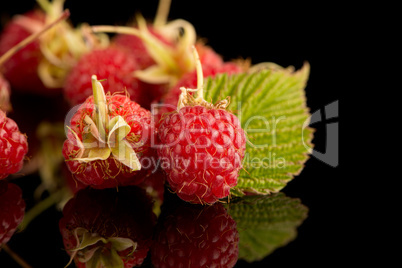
284,33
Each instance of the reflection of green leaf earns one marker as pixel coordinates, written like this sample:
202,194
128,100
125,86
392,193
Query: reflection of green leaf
266,223
271,106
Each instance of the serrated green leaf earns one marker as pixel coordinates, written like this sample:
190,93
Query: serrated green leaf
266,223
271,107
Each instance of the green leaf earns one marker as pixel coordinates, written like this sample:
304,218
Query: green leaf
266,223
271,107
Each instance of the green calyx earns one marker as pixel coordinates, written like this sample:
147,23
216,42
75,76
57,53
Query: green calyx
104,136
97,251
187,99
171,61
61,45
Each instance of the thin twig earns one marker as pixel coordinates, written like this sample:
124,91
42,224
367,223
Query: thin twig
32,37
162,13
40,207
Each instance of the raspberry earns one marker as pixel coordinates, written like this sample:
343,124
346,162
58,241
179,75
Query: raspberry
12,210
108,171
201,152
161,49
196,236
114,65
13,147
201,146
25,62
121,221
4,94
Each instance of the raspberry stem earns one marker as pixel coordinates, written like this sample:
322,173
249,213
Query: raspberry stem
32,37
40,207
186,99
162,13
200,76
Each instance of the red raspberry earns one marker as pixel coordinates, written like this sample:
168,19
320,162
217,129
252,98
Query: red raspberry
114,65
111,217
201,146
13,147
23,63
4,94
201,152
110,171
12,210
195,236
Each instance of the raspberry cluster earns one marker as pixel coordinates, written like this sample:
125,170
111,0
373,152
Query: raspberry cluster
116,154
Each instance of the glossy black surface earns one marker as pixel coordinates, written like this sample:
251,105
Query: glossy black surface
279,32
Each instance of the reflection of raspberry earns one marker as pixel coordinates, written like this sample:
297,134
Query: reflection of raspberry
201,152
13,147
115,219
12,208
195,236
